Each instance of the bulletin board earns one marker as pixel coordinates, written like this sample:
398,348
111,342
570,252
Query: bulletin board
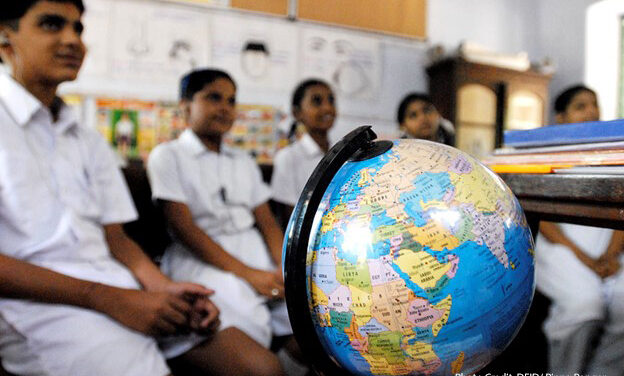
402,17
277,7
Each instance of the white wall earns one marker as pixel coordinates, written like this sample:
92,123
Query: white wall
561,30
603,53
553,29
543,28
496,24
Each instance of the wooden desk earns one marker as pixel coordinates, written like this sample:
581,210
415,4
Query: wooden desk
594,200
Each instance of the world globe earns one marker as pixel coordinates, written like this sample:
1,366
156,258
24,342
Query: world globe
406,257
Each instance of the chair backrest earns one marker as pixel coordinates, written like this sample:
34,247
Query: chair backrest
150,229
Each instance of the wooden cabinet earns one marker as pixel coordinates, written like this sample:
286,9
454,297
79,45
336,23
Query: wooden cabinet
483,101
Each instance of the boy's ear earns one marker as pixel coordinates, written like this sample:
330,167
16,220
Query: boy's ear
185,108
559,118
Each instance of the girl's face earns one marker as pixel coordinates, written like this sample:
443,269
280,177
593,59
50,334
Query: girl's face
583,107
212,110
421,120
317,110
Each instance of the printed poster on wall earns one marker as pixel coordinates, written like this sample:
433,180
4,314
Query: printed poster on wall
351,63
134,127
256,52
157,42
256,131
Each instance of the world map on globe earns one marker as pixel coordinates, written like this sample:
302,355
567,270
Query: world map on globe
420,261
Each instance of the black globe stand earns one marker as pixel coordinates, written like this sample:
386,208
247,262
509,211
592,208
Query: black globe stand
357,145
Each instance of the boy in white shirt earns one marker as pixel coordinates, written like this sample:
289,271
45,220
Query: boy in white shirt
78,297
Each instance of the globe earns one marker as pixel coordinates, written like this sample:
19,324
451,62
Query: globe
406,258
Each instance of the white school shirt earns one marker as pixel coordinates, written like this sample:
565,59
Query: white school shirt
220,189
292,168
59,183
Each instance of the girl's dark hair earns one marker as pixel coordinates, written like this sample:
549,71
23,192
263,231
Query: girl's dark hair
563,100
12,11
195,81
409,98
299,92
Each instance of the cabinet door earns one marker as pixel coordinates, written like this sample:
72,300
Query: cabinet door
476,119
525,110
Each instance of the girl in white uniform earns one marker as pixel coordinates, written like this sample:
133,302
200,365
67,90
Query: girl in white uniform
313,105
579,269
212,197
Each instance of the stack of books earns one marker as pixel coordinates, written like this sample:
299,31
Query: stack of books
588,148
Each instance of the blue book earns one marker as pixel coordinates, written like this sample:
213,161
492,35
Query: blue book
566,134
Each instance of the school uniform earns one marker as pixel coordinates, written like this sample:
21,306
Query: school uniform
59,185
221,190
583,304
292,167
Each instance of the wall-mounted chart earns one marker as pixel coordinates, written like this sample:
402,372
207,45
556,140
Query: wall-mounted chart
148,41
351,63
258,53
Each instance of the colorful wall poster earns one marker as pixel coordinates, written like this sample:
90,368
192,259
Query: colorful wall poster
351,63
134,128
258,53
256,131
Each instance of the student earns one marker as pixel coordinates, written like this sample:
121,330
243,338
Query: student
313,105
418,118
78,297
212,197
579,269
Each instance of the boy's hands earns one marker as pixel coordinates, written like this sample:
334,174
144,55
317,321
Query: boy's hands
204,317
182,307
204,314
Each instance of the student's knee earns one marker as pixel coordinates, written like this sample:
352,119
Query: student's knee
270,366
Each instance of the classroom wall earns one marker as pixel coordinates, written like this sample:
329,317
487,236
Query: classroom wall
543,28
560,30
496,24
604,56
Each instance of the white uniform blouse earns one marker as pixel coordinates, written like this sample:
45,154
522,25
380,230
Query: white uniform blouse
220,189
292,168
